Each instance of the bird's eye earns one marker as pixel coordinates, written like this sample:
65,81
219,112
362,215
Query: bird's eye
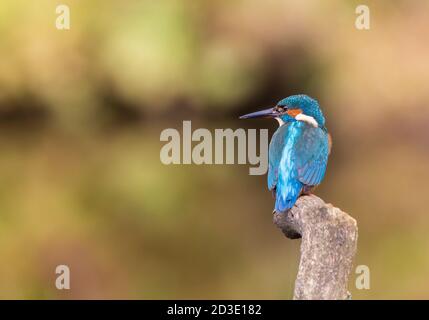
281,109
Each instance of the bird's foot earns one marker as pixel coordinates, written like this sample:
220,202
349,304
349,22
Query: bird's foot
307,190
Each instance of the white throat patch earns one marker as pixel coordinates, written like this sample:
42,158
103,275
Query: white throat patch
310,120
280,121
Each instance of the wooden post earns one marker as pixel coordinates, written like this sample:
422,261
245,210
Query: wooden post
329,239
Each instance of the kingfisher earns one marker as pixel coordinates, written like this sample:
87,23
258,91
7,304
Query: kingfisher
298,151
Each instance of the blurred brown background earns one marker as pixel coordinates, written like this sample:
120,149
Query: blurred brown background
81,112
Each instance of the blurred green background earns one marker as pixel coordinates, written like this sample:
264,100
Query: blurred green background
81,112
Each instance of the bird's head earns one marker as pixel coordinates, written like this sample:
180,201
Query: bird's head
293,108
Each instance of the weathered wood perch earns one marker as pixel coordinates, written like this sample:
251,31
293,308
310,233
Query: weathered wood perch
329,238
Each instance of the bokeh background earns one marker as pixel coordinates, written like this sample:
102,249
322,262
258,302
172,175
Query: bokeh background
81,111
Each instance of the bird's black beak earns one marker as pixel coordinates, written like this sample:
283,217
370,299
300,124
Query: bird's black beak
267,113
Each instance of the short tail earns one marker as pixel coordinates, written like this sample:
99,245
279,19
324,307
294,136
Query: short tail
286,200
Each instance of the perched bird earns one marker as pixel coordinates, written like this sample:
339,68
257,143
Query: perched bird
299,149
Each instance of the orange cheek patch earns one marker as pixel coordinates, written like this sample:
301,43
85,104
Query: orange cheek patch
294,112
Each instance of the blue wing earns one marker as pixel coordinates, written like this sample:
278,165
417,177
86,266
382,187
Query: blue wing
298,156
311,154
288,186
275,154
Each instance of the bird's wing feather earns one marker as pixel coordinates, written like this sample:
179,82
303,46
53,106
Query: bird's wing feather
288,186
311,155
275,155
298,156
